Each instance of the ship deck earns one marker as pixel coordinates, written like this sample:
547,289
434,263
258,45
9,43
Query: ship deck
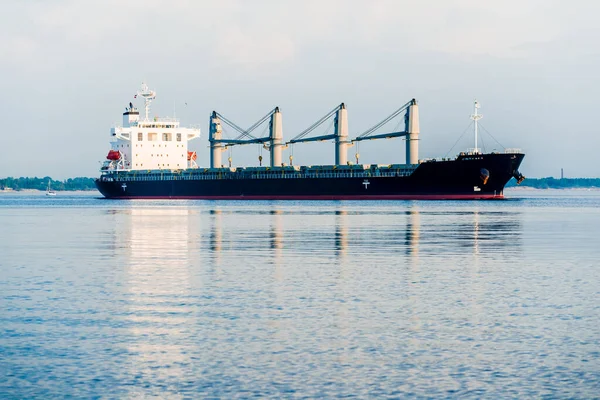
285,172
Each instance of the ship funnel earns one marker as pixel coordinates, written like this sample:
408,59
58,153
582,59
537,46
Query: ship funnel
412,129
276,138
341,135
131,116
215,133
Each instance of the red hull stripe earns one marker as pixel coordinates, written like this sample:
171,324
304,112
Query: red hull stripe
325,197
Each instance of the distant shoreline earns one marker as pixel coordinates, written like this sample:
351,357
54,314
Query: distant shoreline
557,183
8,191
521,187
46,183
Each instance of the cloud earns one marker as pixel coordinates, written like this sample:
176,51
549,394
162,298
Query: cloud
521,57
251,33
235,46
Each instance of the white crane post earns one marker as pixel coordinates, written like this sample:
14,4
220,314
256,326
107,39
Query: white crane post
476,117
341,136
412,138
215,133
276,136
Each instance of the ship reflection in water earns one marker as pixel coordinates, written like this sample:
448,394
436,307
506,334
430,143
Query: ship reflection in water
211,288
154,244
363,232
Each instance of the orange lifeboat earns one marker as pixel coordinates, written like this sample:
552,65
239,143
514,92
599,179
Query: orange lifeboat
192,155
113,155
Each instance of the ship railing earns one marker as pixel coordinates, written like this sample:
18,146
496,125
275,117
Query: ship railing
273,174
474,151
512,151
165,119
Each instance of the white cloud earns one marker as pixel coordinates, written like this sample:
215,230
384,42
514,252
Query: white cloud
235,46
274,31
246,55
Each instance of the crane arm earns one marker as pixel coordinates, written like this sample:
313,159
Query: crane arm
244,133
380,136
237,141
314,126
312,139
384,121
257,124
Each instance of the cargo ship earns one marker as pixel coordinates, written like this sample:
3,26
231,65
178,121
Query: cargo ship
150,159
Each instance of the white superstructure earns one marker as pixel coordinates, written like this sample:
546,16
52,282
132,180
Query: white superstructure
150,143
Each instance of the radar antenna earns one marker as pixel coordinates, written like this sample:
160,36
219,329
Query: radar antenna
148,96
476,117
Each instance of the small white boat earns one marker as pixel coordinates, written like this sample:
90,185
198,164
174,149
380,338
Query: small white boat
49,191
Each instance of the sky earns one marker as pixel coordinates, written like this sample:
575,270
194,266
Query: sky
68,68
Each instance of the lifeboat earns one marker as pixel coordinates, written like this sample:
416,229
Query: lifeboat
192,155
113,155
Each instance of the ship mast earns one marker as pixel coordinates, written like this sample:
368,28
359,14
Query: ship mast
148,96
476,117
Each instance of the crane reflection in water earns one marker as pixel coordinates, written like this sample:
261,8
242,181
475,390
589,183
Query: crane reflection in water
196,272
362,231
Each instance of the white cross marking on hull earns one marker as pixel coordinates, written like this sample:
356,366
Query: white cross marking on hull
124,186
366,183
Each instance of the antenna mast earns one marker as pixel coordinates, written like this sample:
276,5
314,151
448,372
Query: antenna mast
148,96
476,117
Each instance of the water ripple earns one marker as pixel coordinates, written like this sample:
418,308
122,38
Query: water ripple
203,299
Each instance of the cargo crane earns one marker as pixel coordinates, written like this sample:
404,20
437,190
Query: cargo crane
411,131
273,142
340,134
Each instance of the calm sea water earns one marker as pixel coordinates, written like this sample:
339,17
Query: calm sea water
207,299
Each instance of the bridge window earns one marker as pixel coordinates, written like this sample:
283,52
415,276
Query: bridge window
140,136
166,136
179,137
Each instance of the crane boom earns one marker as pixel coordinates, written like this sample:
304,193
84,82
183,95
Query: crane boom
385,120
244,133
300,138
257,124
236,141
381,136
313,139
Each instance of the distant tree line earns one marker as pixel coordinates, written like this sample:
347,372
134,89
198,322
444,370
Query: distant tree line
80,183
554,183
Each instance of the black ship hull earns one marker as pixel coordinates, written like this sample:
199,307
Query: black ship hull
478,176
